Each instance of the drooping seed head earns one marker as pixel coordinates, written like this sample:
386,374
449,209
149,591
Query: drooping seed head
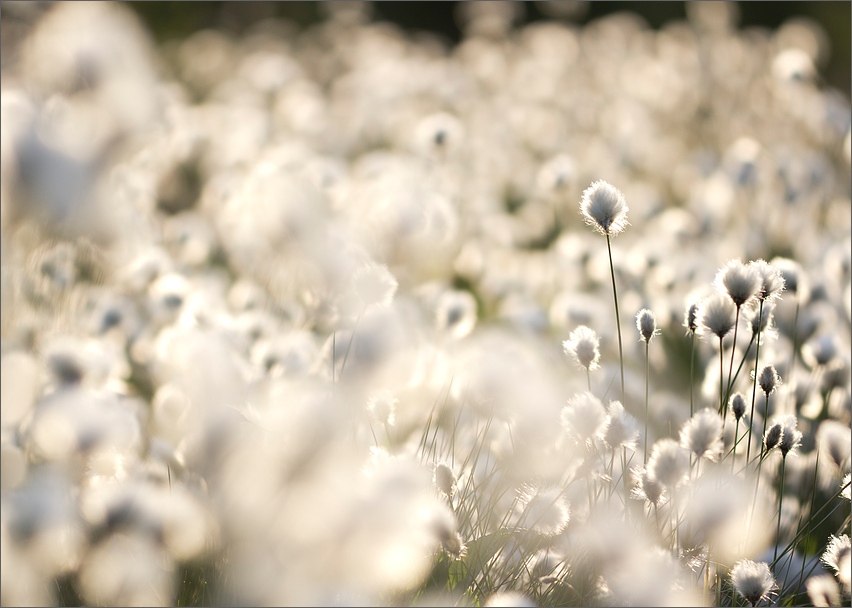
646,323
773,436
739,281
752,580
604,208
584,345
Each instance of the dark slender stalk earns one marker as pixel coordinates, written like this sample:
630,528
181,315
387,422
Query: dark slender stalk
617,318
780,502
691,375
808,523
721,377
754,385
734,456
731,366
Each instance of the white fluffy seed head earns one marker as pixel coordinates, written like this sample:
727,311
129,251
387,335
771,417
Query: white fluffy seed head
752,580
768,379
771,281
583,417
773,436
702,434
718,315
647,487
741,282
604,208
445,479
837,555
669,462
690,321
584,345
646,323
738,405
620,428
791,437
823,591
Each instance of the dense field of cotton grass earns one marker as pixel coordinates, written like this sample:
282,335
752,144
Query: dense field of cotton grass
328,317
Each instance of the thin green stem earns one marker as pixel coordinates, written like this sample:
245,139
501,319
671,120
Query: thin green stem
780,502
691,375
807,523
754,384
617,318
731,366
734,456
647,380
721,377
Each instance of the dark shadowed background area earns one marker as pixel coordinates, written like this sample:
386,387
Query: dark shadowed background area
178,19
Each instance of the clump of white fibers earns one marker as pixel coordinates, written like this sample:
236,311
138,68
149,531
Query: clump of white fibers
620,428
823,591
647,488
771,281
646,323
738,405
604,208
583,417
742,283
669,463
542,510
584,345
702,434
837,557
717,315
791,437
752,580
445,479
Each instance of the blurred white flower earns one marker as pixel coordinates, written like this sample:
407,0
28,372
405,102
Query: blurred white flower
752,580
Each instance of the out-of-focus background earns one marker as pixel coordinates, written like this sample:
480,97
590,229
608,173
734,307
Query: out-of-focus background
170,20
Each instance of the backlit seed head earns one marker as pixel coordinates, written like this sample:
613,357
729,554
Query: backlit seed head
738,405
583,344
691,318
773,436
768,379
445,479
791,437
604,208
646,323
741,283
702,434
771,281
752,580
718,315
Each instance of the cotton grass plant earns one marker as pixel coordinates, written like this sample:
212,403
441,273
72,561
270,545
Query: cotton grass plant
308,316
